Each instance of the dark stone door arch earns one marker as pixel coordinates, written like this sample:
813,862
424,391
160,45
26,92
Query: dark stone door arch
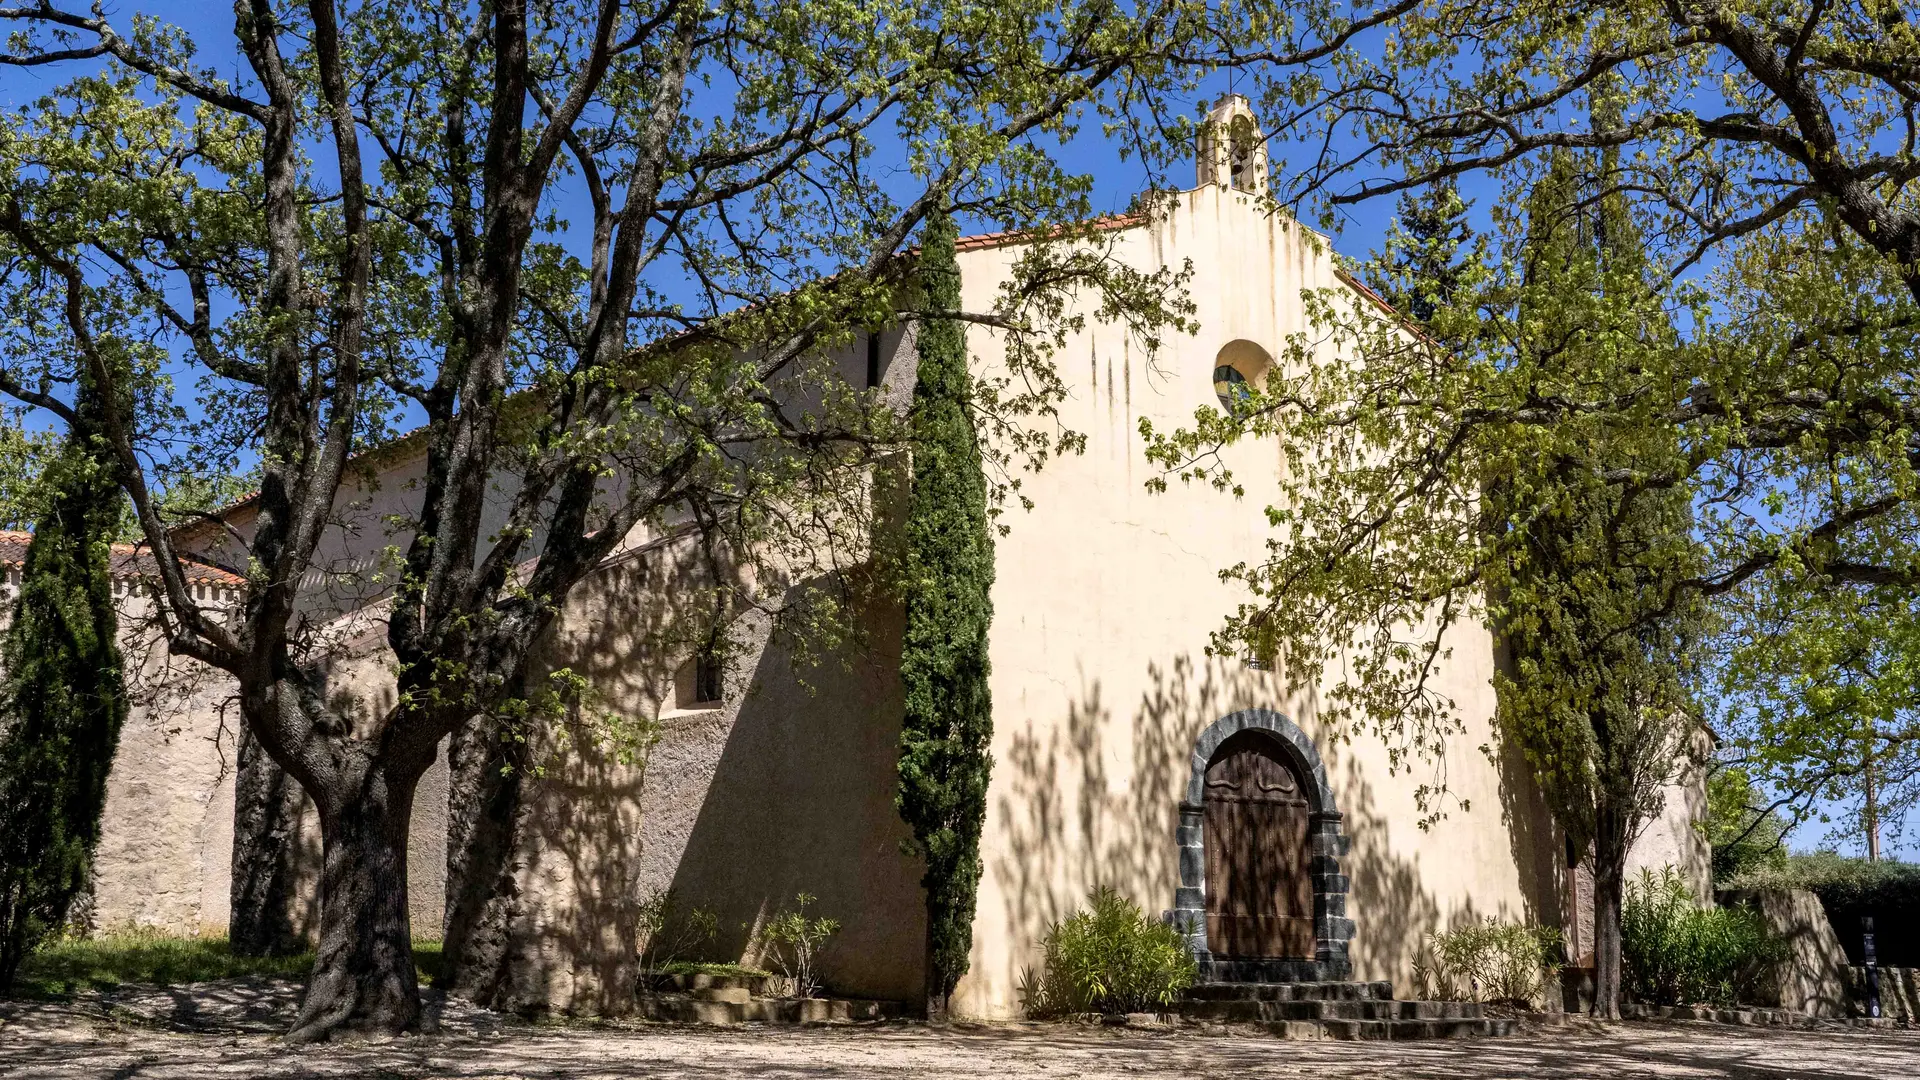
1285,744
1259,888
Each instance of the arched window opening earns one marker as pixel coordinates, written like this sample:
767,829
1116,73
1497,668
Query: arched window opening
1239,368
1243,139
1231,387
700,684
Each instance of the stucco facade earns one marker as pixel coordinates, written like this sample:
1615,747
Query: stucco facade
1105,596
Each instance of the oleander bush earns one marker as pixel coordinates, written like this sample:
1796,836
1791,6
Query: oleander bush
671,932
794,942
1675,952
1110,958
1491,961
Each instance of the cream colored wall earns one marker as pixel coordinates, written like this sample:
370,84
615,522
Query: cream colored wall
1674,837
1105,598
166,833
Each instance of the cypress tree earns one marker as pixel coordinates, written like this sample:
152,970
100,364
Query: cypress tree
944,759
1595,618
62,702
1430,234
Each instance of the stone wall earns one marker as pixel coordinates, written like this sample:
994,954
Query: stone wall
1899,992
164,861
1813,976
166,834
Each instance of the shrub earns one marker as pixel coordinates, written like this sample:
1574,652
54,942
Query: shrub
1109,959
1840,878
1489,961
1674,952
796,942
668,932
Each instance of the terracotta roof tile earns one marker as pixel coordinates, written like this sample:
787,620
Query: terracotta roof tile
1104,223
129,561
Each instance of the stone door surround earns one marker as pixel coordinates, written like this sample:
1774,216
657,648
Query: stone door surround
1332,929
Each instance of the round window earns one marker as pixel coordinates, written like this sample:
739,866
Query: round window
1231,386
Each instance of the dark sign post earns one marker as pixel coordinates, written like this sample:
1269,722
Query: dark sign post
1873,967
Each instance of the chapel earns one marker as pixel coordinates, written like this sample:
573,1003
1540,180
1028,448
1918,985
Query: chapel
1125,756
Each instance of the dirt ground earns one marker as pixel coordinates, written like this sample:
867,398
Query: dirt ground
226,1032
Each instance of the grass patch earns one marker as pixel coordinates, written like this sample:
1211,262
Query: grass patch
691,967
116,958
145,957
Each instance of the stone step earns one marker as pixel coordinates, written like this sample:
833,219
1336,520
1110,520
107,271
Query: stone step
694,1008
1333,1010
1242,1011
819,1010
1310,1030
754,985
1416,1029
1439,1010
1299,991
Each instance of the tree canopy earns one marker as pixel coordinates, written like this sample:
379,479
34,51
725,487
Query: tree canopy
1764,154
599,253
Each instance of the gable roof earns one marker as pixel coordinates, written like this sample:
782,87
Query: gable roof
127,562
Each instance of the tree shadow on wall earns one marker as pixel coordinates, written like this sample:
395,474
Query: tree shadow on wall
1539,846
795,795
1395,910
574,911
574,873
1093,801
1082,810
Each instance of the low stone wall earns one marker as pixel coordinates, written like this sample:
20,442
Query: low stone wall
1899,992
1815,978
1812,979
1745,1017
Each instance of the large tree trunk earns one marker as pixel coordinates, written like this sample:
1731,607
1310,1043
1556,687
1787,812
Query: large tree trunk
363,976
1609,888
484,815
267,811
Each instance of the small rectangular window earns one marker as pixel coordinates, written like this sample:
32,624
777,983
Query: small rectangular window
701,681
709,676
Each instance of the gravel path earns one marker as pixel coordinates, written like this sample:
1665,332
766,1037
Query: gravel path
167,1036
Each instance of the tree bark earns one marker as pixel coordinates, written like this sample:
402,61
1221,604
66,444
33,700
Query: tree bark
267,810
363,975
484,815
1609,888
938,999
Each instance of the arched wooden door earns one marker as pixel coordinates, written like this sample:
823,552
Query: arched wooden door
1259,894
